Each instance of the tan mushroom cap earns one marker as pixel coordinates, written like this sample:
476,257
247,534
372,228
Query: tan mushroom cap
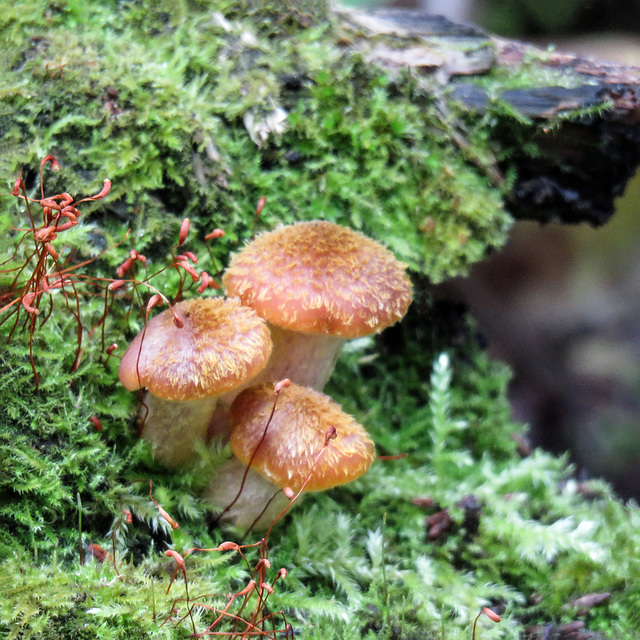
221,345
296,436
319,277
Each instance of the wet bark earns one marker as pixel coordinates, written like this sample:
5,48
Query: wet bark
583,115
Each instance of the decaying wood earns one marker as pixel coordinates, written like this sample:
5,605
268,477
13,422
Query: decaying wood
591,146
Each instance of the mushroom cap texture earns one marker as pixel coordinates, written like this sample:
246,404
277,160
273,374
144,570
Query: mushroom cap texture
221,345
295,438
319,277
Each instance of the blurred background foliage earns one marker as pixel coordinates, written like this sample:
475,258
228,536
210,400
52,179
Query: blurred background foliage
517,18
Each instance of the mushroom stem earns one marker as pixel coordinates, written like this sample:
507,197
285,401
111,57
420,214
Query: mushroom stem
305,442
305,358
259,503
173,427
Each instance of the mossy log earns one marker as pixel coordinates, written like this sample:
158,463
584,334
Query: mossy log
581,114
424,134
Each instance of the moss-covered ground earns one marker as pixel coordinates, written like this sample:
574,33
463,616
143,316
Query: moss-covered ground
179,106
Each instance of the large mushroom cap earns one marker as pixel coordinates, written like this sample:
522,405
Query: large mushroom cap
221,345
296,436
319,277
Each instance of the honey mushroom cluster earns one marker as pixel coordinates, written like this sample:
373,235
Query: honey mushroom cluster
295,295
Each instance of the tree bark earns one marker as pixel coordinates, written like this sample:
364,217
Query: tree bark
583,115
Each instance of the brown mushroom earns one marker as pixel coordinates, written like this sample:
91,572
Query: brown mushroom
220,347
287,452
317,284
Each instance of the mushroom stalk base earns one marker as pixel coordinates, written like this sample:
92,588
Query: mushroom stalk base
259,504
173,428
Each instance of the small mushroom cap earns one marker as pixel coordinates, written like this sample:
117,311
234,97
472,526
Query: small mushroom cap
319,277
296,436
221,345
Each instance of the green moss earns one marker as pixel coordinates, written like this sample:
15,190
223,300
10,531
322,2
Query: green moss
169,124
358,558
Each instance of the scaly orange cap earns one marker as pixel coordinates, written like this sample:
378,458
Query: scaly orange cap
296,437
221,345
319,277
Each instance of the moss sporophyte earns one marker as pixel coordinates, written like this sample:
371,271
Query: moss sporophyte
32,274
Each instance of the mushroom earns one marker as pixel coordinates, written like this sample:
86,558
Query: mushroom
221,346
286,453
317,284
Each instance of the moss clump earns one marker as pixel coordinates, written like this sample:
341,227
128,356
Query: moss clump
191,121
522,535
